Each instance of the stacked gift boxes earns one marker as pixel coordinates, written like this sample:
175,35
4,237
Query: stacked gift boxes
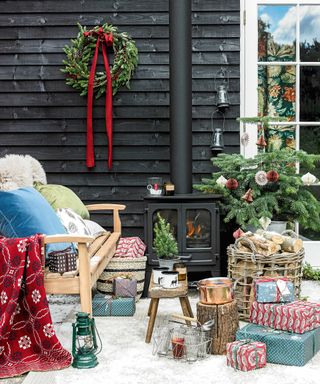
122,303
124,288
296,317
290,329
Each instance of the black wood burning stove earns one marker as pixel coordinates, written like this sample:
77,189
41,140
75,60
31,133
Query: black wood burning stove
195,222
194,217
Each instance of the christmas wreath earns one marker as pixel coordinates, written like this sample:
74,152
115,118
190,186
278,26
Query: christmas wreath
81,52
80,67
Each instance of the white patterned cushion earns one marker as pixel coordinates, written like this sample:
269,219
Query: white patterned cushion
73,223
94,228
76,225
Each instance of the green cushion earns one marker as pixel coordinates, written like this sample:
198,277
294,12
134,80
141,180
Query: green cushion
59,196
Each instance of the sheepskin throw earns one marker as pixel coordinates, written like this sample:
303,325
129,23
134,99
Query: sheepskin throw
18,171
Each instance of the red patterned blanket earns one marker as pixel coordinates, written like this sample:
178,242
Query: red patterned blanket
27,337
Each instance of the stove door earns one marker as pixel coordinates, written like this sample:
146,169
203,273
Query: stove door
172,214
200,232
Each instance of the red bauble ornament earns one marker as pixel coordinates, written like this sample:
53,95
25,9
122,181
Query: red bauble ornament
232,184
238,233
273,176
248,196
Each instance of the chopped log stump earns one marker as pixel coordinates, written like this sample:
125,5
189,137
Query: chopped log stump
226,324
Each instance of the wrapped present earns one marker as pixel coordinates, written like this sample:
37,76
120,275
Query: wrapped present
62,261
297,317
283,347
130,247
246,355
124,287
274,290
103,305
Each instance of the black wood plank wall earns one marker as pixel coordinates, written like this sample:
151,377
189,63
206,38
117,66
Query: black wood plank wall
43,117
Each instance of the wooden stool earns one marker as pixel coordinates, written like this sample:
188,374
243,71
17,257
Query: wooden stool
225,327
156,293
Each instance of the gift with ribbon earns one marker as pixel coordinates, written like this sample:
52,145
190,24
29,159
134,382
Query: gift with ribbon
297,317
246,355
124,287
273,290
105,40
103,305
283,347
62,261
130,247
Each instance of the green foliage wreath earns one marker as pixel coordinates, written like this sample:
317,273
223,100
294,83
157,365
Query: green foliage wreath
80,54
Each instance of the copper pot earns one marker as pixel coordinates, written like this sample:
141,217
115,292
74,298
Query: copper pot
216,290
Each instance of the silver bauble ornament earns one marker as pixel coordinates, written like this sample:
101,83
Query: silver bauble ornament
245,139
261,178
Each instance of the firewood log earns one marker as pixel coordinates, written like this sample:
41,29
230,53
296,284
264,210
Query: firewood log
226,324
273,236
263,246
291,244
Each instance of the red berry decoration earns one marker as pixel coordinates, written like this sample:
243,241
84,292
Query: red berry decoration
232,184
273,176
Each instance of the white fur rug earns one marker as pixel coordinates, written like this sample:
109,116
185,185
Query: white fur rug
127,359
20,171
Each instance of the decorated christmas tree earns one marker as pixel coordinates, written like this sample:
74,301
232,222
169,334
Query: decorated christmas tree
266,186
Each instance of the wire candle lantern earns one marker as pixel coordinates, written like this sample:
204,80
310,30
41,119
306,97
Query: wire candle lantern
185,342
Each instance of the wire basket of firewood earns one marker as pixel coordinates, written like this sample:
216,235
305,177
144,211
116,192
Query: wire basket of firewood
263,254
187,341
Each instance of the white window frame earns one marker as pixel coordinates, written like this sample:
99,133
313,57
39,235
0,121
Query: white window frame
249,85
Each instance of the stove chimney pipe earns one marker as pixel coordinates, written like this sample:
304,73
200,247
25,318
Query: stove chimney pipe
180,26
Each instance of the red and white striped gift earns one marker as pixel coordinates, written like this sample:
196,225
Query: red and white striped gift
246,355
297,317
130,247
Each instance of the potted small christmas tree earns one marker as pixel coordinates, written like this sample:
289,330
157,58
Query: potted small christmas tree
165,245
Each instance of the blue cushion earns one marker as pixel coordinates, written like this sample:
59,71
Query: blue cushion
25,212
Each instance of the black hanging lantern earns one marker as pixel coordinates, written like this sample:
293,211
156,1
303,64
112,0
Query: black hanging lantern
217,143
221,83
217,140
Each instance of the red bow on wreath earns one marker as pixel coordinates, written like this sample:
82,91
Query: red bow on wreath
106,39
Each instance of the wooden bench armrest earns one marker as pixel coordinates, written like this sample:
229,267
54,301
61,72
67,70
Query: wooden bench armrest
105,207
80,239
109,207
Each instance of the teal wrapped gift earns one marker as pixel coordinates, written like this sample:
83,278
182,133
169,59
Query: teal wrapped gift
103,305
283,347
274,290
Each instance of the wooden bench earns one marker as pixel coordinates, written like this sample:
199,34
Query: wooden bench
94,255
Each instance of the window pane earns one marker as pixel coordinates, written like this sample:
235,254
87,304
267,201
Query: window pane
279,136
310,94
310,33
276,91
170,215
276,32
310,142
309,234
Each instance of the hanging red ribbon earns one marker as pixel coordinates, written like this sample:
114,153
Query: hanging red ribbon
106,39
